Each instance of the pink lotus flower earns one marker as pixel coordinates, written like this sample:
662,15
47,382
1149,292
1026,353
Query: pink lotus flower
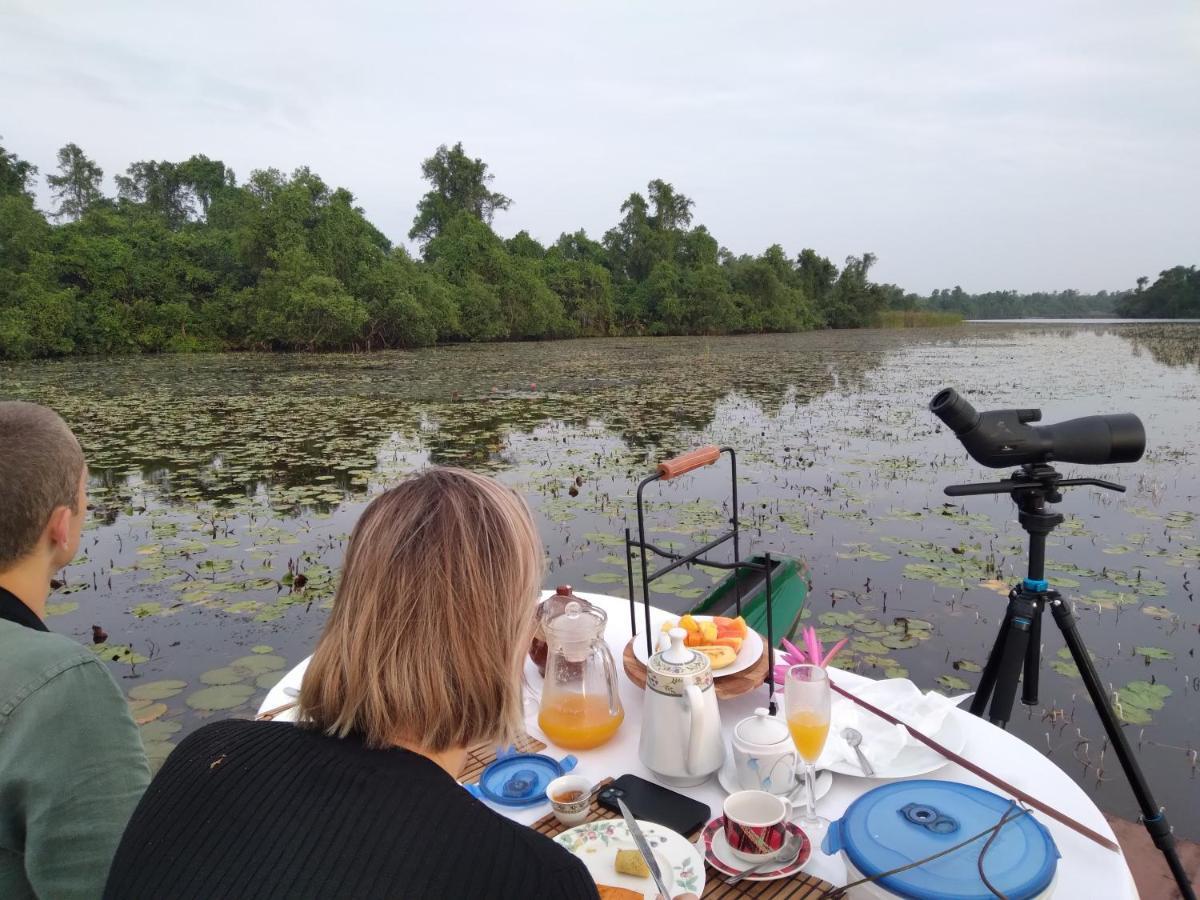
814,653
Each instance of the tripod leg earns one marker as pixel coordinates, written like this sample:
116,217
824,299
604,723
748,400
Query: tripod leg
1009,671
1153,817
987,680
1033,660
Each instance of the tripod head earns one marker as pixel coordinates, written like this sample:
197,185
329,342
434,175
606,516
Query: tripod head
1033,486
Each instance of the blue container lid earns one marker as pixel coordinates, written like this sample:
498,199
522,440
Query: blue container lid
899,823
519,779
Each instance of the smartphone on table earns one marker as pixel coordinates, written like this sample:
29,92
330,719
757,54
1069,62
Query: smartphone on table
652,802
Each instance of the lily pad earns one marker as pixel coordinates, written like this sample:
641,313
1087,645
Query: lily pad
953,683
1144,695
259,663
262,648
224,675
604,578
157,690
159,730
149,713
61,609
219,697
1154,653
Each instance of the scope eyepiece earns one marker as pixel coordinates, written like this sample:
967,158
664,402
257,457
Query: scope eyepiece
1004,437
954,410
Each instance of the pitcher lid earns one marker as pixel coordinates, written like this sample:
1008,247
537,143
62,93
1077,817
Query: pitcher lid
578,621
761,728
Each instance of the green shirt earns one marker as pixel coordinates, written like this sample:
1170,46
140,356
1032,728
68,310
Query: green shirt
72,767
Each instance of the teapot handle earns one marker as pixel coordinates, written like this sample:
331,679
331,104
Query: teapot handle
697,733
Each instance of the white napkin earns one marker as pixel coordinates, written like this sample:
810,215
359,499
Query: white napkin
882,741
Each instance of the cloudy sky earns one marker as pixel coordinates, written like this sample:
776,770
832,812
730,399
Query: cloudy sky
993,145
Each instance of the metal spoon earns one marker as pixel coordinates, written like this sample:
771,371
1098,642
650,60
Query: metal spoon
787,855
853,737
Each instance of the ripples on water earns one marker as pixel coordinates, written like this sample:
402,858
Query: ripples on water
218,479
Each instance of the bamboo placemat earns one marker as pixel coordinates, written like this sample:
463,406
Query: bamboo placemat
483,755
797,887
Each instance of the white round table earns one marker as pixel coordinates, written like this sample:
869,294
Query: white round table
1085,870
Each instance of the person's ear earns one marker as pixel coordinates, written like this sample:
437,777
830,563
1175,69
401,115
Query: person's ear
58,529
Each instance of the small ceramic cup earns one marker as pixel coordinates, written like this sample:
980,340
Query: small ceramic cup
569,798
756,824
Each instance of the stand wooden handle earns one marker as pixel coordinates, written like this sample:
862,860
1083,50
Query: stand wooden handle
685,462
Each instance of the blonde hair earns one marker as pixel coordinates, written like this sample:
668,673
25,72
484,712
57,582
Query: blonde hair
432,620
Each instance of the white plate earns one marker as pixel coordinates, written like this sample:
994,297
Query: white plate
915,759
597,843
729,781
752,648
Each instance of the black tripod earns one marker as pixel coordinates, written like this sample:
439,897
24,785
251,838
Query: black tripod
1018,645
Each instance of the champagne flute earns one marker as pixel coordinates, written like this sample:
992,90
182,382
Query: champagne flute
806,698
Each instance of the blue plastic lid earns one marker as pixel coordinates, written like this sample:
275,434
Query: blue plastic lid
519,779
899,823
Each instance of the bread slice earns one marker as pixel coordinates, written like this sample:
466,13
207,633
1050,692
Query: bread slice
630,862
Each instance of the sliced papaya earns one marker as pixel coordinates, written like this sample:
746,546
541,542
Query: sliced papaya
735,643
719,655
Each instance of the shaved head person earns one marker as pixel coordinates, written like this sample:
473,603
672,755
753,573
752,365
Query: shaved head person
72,767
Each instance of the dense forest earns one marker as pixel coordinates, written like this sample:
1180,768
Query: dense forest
1174,295
184,258
1013,305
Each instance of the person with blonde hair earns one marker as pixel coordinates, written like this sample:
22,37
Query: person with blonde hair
421,658
72,766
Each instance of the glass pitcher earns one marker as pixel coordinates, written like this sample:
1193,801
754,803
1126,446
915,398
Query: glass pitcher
581,706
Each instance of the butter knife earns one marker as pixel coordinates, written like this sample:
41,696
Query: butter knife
639,839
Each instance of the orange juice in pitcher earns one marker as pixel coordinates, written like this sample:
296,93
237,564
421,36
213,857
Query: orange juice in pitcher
581,706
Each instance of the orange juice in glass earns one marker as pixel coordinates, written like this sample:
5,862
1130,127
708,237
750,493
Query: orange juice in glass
809,731
807,700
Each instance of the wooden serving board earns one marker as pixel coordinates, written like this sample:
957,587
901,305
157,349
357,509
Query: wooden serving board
727,685
483,755
798,887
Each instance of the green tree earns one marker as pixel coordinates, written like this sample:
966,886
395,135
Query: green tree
160,186
1175,294
298,308
458,184
206,179
77,186
16,175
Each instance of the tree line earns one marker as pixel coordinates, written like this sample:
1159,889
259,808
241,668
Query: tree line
184,257
1175,294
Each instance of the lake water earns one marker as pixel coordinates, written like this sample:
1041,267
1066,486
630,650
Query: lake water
219,478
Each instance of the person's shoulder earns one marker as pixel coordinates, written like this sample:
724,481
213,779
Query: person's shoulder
31,660
25,648
549,857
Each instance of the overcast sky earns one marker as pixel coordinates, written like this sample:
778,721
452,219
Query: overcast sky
993,145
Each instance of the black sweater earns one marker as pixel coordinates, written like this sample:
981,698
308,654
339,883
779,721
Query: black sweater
266,809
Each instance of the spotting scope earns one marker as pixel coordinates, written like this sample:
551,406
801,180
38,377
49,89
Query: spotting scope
1004,437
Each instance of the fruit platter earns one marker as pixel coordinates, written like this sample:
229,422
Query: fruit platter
729,644
735,650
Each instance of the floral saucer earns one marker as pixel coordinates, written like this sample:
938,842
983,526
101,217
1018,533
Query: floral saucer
596,844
